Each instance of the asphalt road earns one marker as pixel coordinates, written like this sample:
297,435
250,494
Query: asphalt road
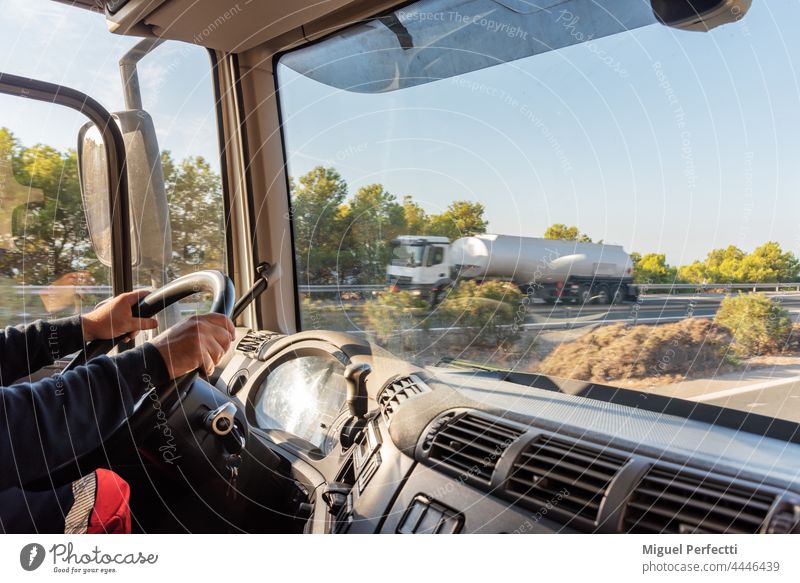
773,391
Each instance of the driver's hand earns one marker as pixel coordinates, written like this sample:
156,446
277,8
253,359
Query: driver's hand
197,342
115,317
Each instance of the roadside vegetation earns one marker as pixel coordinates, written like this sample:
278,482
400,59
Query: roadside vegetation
659,354
486,312
758,325
746,326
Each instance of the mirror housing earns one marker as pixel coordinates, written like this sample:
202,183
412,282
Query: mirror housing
151,237
699,15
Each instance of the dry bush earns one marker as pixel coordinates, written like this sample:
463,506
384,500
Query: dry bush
661,354
758,325
487,312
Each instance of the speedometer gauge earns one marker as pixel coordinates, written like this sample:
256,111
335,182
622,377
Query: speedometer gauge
302,396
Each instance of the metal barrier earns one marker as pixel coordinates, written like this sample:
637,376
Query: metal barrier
669,287
346,288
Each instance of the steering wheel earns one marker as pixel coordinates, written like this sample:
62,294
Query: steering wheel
212,281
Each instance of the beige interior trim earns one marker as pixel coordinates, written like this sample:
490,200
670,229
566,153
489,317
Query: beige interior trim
268,172
268,178
241,271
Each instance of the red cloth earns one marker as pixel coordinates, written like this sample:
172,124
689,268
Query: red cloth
111,513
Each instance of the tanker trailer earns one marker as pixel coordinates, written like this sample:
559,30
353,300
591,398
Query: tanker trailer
549,269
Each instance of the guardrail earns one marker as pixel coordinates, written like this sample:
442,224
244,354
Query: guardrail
345,288
645,287
339,288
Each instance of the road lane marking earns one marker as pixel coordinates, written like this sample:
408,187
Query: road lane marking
744,389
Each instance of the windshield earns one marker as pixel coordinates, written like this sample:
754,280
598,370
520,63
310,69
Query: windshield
617,197
407,255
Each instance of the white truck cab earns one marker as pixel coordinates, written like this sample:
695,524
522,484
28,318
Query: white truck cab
419,263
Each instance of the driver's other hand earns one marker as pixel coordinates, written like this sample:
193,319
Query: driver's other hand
198,342
115,318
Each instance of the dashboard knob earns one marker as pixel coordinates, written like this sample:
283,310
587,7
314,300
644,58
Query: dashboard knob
221,419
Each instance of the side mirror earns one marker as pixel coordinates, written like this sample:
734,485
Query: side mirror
699,15
151,237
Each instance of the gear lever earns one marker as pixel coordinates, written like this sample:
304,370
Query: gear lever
357,397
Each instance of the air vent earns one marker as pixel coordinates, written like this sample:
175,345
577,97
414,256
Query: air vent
571,477
426,516
667,501
471,445
398,391
252,342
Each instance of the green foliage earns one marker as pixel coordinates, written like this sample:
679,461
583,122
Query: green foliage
488,310
416,219
372,218
758,325
194,192
342,238
396,312
318,228
50,238
461,219
653,268
565,233
695,272
767,263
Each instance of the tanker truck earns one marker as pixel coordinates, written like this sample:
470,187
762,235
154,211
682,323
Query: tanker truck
549,269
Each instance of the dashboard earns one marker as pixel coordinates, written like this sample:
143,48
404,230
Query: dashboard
443,450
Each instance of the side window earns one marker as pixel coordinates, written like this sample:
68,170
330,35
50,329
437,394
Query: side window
435,256
47,265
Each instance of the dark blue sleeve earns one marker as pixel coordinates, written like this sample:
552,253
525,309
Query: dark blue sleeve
26,349
48,423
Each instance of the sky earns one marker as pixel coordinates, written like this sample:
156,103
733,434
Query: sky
694,147
71,46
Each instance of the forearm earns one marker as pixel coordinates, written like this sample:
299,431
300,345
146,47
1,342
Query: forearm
25,349
43,425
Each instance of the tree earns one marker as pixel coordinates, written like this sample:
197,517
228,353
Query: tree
461,219
318,227
372,219
768,263
695,272
46,236
723,265
416,219
194,193
653,268
565,233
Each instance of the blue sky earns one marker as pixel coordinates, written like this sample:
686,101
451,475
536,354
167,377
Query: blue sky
71,46
695,147
559,137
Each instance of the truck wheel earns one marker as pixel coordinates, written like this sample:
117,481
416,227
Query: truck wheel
437,296
585,295
618,295
603,296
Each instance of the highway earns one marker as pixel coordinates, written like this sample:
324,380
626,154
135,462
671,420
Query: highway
650,309
773,391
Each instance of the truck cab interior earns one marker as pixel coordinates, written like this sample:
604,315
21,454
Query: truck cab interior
415,428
